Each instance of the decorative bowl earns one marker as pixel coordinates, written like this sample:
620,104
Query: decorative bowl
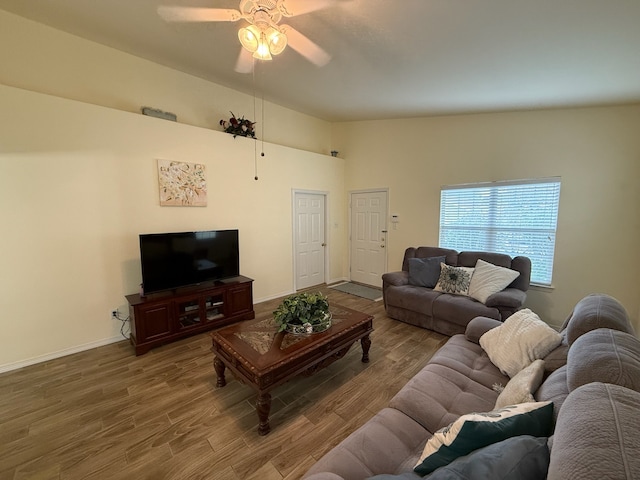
308,328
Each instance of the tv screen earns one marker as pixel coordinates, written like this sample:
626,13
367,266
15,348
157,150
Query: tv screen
172,260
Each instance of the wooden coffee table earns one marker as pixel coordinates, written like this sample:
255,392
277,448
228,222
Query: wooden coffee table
263,358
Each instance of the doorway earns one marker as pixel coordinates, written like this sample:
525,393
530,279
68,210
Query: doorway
368,240
309,225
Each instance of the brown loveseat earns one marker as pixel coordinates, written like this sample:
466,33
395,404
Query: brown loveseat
594,387
447,313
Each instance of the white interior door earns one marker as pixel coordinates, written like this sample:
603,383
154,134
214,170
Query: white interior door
368,237
309,228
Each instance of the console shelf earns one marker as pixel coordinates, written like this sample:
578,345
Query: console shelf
164,317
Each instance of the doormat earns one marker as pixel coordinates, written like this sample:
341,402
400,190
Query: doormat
371,293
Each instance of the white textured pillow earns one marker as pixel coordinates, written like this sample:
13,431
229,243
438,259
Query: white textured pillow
521,387
520,340
489,279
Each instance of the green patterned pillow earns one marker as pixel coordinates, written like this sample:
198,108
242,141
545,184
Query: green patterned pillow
477,430
454,279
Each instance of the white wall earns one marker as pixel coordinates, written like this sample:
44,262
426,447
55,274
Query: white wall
39,58
596,151
79,182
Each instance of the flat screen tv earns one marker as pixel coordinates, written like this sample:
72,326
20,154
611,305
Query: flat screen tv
173,260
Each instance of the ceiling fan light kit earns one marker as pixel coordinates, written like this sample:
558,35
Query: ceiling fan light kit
262,42
263,37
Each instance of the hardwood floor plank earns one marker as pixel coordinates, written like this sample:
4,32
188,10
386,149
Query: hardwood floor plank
107,414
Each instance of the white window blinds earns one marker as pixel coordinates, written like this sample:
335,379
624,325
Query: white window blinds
516,218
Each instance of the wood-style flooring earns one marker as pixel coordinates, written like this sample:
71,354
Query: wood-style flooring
107,414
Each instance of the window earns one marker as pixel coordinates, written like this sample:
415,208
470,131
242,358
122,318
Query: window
516,218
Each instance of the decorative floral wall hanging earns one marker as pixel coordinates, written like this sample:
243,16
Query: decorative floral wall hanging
182,184
239,126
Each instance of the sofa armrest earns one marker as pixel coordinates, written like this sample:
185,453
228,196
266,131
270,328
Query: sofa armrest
478,327
396,278
509,299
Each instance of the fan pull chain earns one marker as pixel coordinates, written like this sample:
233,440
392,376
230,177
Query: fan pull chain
263,125
255,142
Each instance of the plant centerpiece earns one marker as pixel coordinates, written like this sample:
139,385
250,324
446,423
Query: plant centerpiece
303,313
239,126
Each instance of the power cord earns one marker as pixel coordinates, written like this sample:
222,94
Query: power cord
125,323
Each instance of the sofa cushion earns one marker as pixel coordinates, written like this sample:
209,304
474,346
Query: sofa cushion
363,454
425,272
520,340
604,355
521,387
520,264
425,252
454,279
554,389
597,434
460,310
410,297
596,311
457,380
558,356
488,279
476,430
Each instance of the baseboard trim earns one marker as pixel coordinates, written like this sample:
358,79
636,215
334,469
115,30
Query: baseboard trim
60,353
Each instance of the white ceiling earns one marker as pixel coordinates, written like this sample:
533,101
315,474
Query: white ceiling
393,58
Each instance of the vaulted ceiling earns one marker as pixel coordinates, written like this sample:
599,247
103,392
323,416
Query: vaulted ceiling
392,58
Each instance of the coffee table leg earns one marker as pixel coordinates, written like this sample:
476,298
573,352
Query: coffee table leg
219,366
366,344
263,407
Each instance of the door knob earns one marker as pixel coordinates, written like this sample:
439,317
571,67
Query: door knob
324,244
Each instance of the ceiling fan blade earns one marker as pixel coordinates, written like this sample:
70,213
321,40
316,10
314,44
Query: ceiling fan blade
244,64
291,8
196,14
305,47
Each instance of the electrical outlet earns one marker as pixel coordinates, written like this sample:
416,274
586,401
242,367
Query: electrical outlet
114,313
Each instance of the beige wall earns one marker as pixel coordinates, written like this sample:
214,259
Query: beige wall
79,182
39,58
596,151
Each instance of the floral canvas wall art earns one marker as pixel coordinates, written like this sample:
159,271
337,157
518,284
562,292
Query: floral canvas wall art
182,184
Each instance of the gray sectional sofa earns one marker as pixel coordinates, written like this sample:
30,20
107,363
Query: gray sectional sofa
447,313
592,378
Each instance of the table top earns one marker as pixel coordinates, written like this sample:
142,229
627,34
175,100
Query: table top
260,347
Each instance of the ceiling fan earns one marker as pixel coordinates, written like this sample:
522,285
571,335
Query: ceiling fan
264,36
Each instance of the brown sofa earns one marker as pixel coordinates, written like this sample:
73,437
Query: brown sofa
447,313
594,386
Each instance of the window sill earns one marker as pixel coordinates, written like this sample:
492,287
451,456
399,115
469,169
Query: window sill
539,286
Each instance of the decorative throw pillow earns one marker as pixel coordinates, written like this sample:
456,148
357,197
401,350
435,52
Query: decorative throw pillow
424,272
518,458
477,430
454,279
521,387
488,279
520,340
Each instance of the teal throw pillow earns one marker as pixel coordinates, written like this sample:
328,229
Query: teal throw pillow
425,272
477,430
518,458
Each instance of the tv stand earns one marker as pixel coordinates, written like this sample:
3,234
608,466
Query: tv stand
164,317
